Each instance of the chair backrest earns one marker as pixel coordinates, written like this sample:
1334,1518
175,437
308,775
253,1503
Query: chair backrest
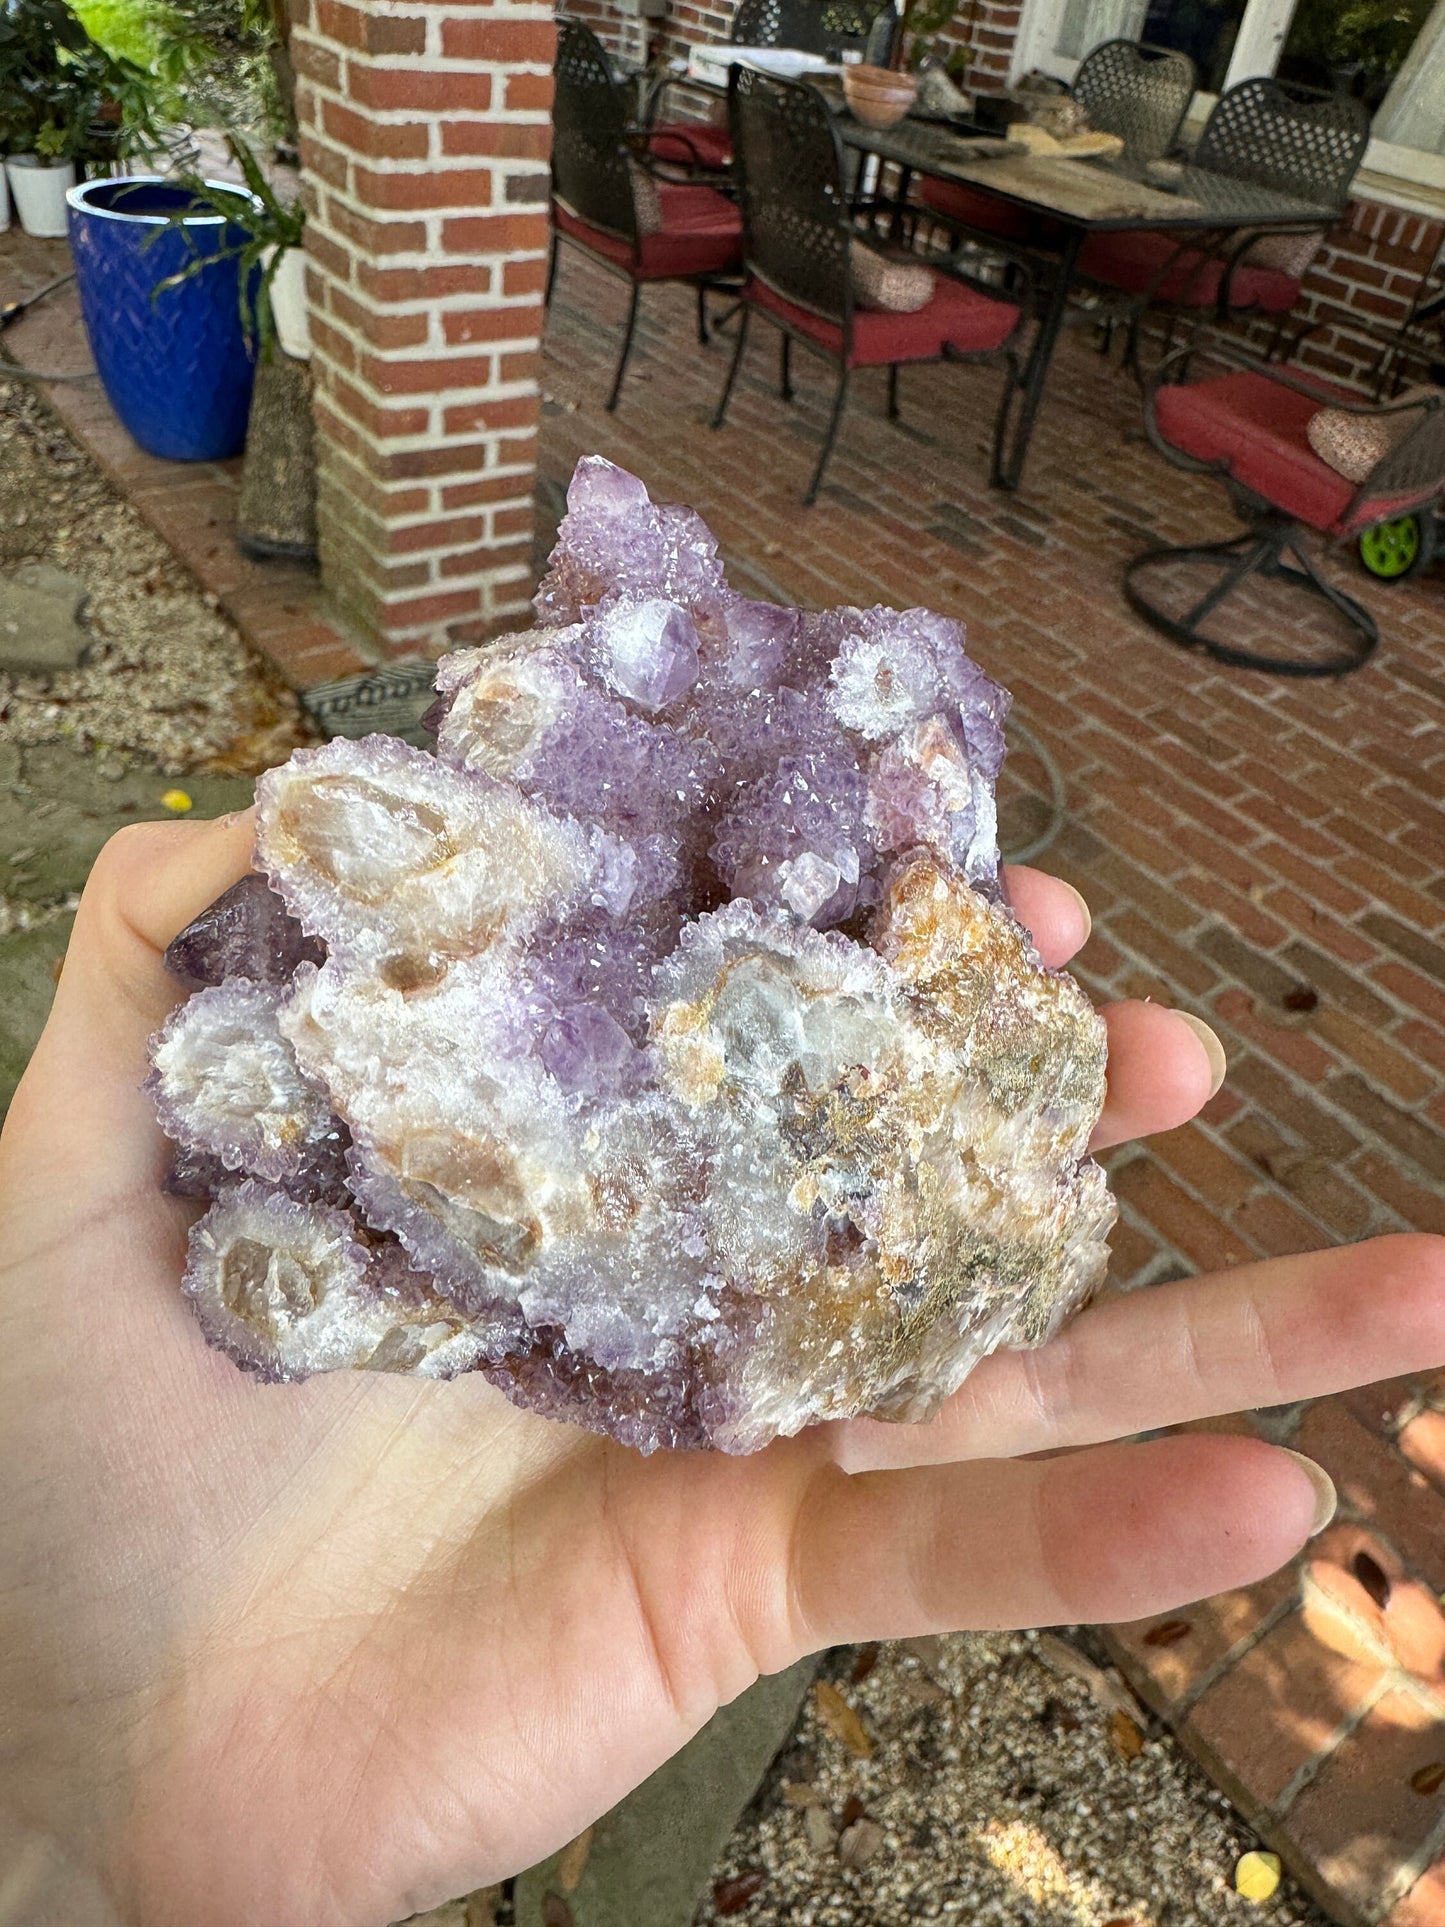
816,26
789,174
1411,473
591,168
1294,139
1138,92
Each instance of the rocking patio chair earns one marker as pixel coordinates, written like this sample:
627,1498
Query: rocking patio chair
1249,423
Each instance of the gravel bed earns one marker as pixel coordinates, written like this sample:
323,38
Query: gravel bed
1001,1790
168,677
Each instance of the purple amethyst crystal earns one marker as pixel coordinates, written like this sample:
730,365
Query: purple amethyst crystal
248,932
660,1046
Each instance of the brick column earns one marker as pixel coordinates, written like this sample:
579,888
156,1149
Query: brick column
425,132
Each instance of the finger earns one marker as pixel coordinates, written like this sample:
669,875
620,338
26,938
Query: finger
1115,1533
1263,1334
1052,911
82,1088
1161,1071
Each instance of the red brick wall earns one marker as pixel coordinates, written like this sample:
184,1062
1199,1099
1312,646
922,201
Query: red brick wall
425,135
1369,268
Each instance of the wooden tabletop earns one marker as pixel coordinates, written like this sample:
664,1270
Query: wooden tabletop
1085,193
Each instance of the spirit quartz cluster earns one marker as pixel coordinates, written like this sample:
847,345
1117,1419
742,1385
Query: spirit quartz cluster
660,1046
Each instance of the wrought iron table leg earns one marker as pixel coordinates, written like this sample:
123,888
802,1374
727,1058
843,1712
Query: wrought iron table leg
785,365
702,314
552,252
1016,425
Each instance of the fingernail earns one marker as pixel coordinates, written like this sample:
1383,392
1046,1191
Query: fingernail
1326,1498
1083,907
1218,1063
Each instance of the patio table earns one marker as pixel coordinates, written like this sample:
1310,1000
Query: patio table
1083,197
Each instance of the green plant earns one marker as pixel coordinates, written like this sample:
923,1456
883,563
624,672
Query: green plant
259,228
922,24
52,80
211,63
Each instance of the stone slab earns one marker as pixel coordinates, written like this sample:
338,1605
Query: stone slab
40,620
58,807
651,1857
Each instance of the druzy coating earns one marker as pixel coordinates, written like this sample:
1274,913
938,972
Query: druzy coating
660,1046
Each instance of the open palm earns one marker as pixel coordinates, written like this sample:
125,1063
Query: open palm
320,1655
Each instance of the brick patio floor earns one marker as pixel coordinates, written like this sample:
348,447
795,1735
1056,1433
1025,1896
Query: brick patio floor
1264,852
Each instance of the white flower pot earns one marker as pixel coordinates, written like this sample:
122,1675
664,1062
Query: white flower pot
4,202
288,303
40,188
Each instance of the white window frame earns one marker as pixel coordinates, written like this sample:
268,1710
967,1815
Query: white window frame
1395,170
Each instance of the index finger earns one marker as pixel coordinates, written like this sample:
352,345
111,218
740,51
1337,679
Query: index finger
1052,911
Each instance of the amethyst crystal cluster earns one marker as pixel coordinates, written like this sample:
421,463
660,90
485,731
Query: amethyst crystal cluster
660,1046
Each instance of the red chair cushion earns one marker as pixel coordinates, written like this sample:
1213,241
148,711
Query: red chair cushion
1133,261
701,233
691,143
956,317
972,208
1258,427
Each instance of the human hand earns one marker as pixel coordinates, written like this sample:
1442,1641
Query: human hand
321,1655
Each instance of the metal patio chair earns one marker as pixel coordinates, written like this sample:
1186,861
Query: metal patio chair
825,27
798,236
1266,133
606,203
1247,422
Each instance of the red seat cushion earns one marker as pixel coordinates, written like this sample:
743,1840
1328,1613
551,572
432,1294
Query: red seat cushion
957,317
1134,261
971,208
1258,427
691,143
701,233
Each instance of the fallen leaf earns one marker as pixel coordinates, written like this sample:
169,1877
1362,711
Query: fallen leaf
801,1793
1128,1741
841,1720
731,1896
574,1859
1168,1632
555,1910
858,1844
1257,1876
1373,1577
863,1665
927,1648
925,1692
819,1828
1301,998
853,1809
482,1907
177,801
1429,1779
1106,1688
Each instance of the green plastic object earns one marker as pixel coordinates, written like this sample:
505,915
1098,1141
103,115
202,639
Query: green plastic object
1392,549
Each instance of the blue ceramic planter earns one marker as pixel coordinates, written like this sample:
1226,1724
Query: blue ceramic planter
175,365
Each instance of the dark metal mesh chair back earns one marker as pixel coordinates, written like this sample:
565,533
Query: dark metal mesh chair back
1294,139
790,187
1414,469
815,26
1138,92
591,171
